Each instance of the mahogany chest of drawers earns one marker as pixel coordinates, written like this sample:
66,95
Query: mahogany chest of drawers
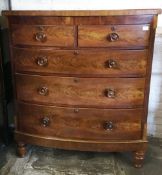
81,78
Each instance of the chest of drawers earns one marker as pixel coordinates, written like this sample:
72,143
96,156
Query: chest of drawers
81,78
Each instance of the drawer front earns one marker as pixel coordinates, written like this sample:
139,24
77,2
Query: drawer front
113,36
102,92
62,36
104,63
80,123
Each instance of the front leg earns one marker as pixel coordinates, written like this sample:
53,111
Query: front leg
21,149
138,157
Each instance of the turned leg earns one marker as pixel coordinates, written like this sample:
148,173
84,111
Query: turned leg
138,157
21,149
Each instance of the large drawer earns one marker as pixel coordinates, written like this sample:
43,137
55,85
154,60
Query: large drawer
103,63
101,92
113,36
59,36
80,123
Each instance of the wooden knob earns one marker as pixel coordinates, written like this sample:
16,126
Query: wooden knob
111,64
40,36
45,121
108,125
113,37
110,93
41,61
43,91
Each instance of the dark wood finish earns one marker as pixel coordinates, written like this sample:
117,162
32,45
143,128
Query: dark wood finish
86,90
87,145
129,92
148,76
138,157
83,12
115,20
21,149
88,20
90,63
113,36
80,123
43,35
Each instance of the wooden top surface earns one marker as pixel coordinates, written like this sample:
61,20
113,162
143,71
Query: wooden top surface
82,12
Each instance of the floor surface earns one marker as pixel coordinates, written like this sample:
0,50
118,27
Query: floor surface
47,161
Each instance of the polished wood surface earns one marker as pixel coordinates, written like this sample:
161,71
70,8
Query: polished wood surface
43,35
82,78
82,12
81,20
92,92
80,123
100,36
138,157
90,63
87,145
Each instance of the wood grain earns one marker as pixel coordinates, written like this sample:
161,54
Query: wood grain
90,63
81,91
55,35
80,123
76,80
80,20
87,145
81,12
97,36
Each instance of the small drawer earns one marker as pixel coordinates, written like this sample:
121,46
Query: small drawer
90,63
57,36
113,36
80,123
100,92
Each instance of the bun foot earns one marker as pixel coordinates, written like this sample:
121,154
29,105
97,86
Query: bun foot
138,157
21,149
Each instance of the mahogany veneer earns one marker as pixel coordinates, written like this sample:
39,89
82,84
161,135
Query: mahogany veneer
82,78
85,63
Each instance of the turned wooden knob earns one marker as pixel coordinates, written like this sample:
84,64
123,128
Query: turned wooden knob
43,91
113,37
41,61
40,36
110,93
111,63
108,125
45,121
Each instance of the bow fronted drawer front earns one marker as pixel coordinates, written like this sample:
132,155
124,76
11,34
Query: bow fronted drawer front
93,92
89,63
80,123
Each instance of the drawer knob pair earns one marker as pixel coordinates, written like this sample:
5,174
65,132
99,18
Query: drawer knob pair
108,125
40,36
113,37
110,93
41,61
45,121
